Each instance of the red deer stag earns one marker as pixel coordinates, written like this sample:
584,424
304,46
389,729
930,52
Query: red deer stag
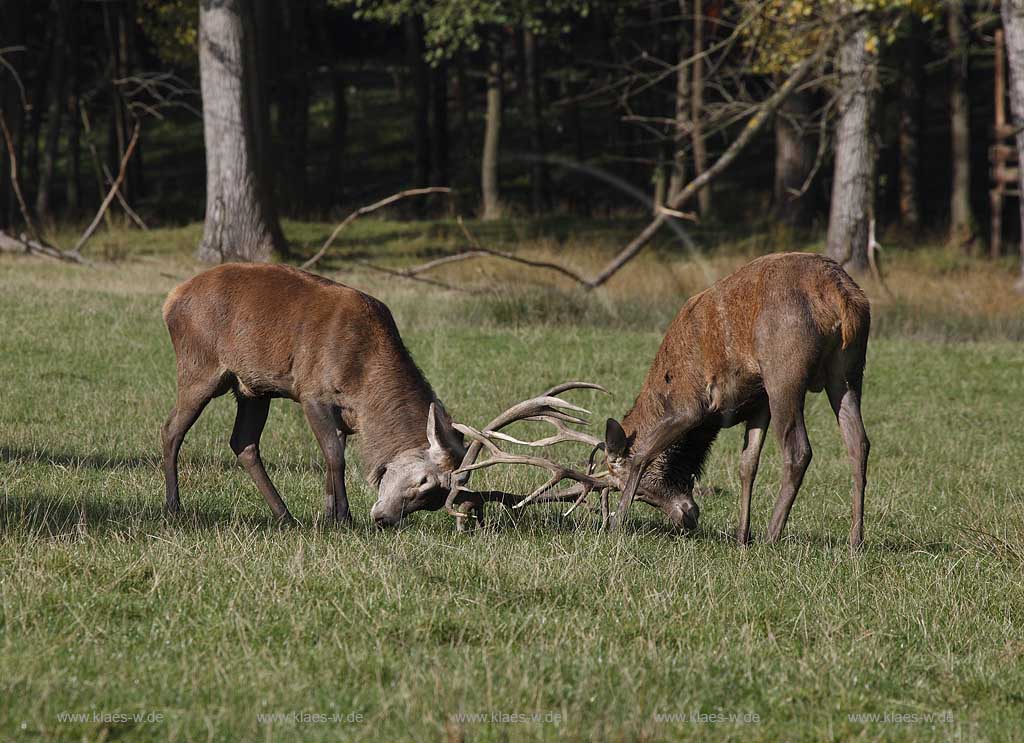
747,350
273,331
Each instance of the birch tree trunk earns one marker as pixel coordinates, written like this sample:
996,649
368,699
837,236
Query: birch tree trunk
241,223
492,138
961,222
854,155
1013,24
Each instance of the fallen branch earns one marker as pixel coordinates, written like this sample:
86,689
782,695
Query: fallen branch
480,249
366,210
77,250
411,275
26,244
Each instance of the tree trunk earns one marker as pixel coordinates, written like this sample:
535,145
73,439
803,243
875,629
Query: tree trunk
683,106
961,223
241,222
439,125
54,109
539,196
116,136
128,58
794,159
854,155
1013,23
911,86
339,135
74,174
492,137
700,152
28,147
413,25
293,96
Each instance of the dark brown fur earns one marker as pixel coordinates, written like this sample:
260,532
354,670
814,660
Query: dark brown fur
748,349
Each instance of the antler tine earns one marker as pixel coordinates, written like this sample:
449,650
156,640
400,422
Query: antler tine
548,408
558,389
558,472
542,405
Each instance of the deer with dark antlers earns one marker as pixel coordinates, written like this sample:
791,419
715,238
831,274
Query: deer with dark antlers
265,332
746,350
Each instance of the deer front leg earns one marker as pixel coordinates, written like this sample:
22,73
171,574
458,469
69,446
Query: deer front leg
326,424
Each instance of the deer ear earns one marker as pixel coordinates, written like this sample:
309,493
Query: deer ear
616,443
443,438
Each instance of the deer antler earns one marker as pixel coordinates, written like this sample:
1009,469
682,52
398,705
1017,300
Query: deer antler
546,408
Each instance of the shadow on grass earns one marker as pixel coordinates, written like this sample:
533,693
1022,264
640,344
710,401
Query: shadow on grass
64,519
42,515
113,461
70,459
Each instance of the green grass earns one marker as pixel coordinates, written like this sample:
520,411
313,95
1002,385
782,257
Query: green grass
211,621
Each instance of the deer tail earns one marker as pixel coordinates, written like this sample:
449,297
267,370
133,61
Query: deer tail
854,312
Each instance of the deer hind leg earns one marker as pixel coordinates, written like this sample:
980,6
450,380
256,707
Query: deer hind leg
753,441
193,395
324,421
245,443
787,410
844,396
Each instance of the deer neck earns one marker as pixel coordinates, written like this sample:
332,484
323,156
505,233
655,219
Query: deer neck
392,414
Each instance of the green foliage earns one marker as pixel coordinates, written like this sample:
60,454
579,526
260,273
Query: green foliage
779,33
172,26
451,25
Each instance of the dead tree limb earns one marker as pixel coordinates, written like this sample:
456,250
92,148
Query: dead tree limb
77,250
753,126
97,167
15,183
132,214
366,210
32,243
480,249
411,274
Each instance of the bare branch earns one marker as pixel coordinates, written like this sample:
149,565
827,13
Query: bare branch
88,233
366,210
14,179
753,126
578,278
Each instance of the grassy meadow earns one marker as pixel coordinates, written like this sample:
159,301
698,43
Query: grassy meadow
117,624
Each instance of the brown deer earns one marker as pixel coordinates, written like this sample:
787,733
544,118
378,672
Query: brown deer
272,331
747,350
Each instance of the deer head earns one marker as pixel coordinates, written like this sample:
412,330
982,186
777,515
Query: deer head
419,479
628,463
